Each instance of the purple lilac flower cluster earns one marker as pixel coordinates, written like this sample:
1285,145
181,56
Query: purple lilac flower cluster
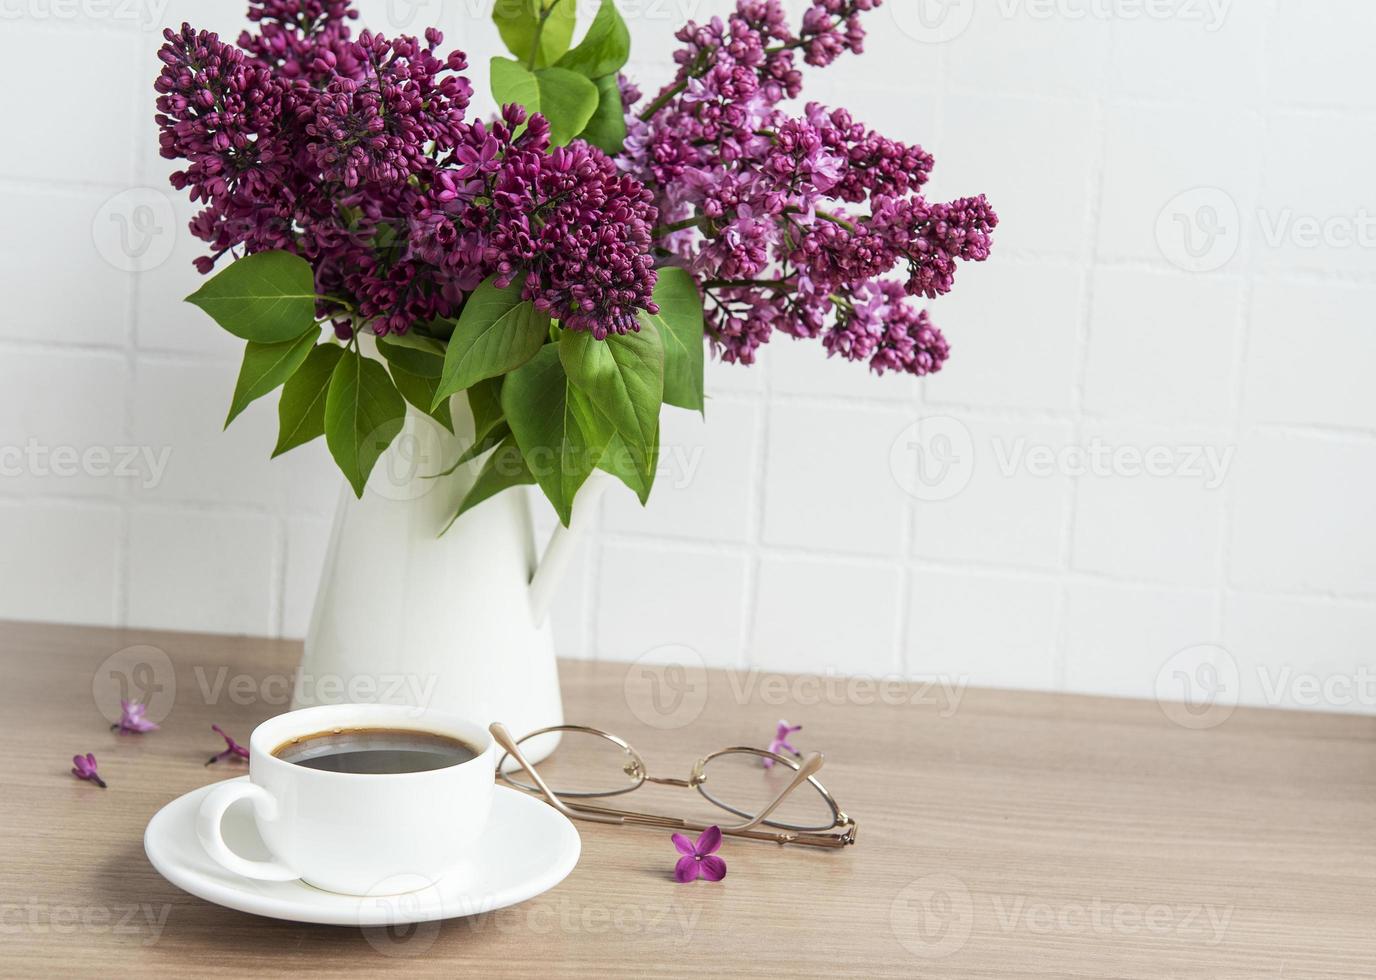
355,153
795,223
577,228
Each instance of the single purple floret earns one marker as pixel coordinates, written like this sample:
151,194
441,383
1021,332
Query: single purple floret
84,767
779,744
132,719
233,750
698,858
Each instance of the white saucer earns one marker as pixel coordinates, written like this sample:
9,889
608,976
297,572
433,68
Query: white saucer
528,848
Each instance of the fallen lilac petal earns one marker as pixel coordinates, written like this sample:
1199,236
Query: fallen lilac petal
132,718
686,870
684,845
232,748
780,744
709,840
712,868
84,767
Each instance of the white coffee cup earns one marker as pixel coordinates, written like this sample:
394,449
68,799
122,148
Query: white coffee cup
356,833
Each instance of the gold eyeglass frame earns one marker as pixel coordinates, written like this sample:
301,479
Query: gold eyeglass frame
576,806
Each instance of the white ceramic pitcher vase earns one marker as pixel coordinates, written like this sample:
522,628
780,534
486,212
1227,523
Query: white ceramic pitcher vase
456,621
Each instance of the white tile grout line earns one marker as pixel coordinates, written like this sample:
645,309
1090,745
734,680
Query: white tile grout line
1238,373
749,601
1093,213
124,556
908,523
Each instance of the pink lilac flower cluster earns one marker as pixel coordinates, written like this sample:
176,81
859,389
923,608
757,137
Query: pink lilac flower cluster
790,223
355,153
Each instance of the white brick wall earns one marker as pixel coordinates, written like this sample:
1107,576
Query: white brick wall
791,530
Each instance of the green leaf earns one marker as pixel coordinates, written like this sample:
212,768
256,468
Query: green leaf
504,469
629,467
420,392
440,328
679,323
267,297
555,37
363,414
567,100
266,366
512,83
606,130
497,333
561,434
485,402
301,410
414,354
518,22
487,441
494,438
606,47
623,376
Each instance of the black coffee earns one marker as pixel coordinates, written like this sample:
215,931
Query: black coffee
375,750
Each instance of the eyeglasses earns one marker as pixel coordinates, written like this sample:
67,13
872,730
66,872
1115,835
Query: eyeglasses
779,799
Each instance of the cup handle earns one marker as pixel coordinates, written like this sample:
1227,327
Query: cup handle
208,829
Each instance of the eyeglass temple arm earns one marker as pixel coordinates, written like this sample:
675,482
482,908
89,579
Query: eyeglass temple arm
811,764
504,739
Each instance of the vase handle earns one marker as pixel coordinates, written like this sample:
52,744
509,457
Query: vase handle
563,545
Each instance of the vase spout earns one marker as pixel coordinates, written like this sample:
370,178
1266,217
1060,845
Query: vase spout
563,545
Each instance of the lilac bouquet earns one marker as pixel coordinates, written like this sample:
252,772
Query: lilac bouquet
562,264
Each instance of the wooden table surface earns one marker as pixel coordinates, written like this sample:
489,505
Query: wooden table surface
1018,835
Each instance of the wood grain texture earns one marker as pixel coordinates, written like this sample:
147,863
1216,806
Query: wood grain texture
1018,836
